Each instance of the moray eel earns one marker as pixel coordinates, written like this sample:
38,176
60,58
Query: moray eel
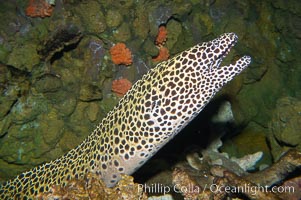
153,111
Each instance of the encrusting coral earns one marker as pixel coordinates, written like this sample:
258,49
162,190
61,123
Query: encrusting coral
39,8
160,41
162,36
163,54
121,86
120,54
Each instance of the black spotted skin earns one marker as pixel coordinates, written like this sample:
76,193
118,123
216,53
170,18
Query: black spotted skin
153,111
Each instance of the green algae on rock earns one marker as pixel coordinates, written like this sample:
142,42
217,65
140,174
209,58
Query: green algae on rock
48,83
122,33
90,92
113,18
32,139
174,30
141,23
91,16
24,57
27,108
285,126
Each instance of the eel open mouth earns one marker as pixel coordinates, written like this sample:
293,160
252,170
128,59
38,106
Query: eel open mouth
227,42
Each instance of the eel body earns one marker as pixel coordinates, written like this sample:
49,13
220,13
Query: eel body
152,112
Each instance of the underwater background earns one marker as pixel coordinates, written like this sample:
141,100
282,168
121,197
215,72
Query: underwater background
58,78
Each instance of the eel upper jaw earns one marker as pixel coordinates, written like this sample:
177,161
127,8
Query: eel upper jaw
216,63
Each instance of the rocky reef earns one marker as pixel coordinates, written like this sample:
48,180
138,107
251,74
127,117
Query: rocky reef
94,189
58,78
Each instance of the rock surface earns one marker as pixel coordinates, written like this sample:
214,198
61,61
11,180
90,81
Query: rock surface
285,126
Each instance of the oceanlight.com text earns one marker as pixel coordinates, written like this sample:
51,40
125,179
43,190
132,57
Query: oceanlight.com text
250,189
